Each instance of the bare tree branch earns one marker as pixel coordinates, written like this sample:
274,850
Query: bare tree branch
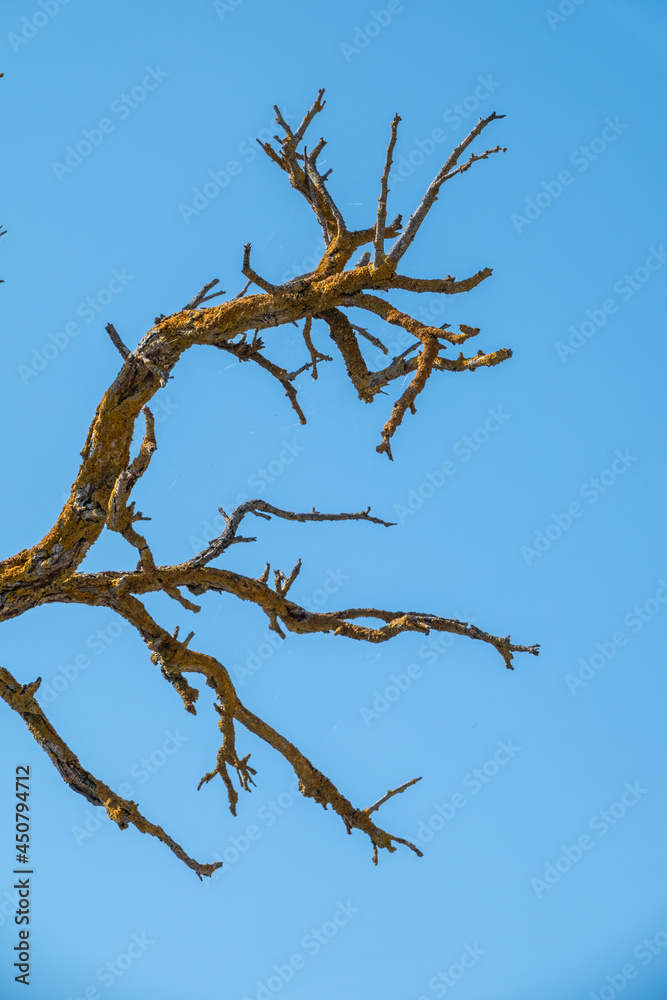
390,794
447,171
425,362
21,698
115,339
252,275
264,509
202,295
48,571
382,200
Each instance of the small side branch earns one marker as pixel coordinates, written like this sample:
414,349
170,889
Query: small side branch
318,183
315,108
120,516
382,200
21,698
448,285
315,785
447,171
227,756
307,178
375,341
390,314
315,355
251,352
117,342
425,363
390,794
473,159
263,509
203,296
250,273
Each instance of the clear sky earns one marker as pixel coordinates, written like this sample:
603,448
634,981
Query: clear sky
542,801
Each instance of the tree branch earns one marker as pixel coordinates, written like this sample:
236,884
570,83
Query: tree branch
447,171
382,200
264,509
21,698
48,572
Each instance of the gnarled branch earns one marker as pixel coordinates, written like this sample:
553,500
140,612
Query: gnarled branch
48,572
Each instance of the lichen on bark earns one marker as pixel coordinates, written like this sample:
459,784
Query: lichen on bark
100,496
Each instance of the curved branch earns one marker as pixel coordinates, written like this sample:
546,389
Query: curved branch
425,362
100,496
407,236
123,812
263,509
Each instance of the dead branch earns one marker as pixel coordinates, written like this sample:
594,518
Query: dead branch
382,200
390,794
48,572
447,171
21,698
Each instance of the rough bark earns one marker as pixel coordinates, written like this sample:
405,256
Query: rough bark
100,496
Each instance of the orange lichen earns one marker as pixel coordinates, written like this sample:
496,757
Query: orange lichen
100,496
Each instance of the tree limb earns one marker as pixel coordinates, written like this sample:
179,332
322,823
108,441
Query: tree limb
48,572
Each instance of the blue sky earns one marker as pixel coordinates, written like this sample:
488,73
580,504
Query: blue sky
529,499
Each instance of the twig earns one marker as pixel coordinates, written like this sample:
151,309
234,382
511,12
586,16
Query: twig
316,106
389,795
473,159
415,221
314,353
250,273
120,516
320,186
123,812
425,365
281,121
116,341
382,200
375,341
201,295
263,509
